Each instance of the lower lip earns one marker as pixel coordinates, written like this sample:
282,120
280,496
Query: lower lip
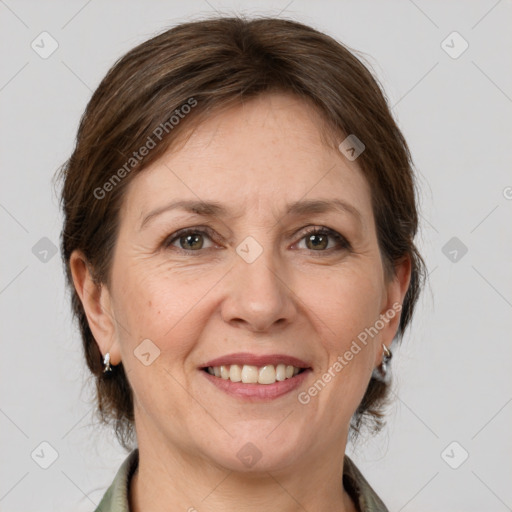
257,392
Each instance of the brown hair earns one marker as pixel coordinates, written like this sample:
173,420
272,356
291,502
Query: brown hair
208,65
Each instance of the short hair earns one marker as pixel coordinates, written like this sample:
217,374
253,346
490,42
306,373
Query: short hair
197,68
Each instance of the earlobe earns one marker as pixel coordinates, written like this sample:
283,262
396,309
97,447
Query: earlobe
96,302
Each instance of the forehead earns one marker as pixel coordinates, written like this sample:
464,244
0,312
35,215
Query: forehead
266,153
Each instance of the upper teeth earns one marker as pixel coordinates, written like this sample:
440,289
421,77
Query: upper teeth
249,374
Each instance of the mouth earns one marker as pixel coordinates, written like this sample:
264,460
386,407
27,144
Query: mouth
249,376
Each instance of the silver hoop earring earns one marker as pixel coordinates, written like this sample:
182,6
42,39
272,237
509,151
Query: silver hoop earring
386,357
381,372
106,362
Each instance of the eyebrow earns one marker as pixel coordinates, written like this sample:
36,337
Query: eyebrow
216,209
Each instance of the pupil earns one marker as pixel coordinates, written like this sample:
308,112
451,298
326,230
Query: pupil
320,243
191,240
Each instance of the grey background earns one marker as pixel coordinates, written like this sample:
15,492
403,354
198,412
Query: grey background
453,372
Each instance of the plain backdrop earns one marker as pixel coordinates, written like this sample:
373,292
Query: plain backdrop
447,445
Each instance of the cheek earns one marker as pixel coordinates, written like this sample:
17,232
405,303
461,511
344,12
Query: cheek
346,306
341,313
160,305
351,305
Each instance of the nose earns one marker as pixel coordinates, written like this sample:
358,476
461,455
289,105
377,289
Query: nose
259,295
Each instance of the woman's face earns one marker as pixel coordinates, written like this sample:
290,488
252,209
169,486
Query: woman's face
246,288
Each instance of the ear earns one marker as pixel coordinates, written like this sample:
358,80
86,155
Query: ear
393,299
97,304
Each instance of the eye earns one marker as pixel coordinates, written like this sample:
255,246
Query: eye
190,240
318,240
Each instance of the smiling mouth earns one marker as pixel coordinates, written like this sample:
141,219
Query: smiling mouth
250,374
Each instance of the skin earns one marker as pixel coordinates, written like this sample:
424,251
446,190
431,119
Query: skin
293,299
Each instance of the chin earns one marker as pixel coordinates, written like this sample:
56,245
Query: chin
257,451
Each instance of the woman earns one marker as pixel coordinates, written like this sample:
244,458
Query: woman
239,222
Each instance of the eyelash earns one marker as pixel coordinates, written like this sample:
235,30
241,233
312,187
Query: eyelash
343,243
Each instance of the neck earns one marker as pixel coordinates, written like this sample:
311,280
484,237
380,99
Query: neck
169,481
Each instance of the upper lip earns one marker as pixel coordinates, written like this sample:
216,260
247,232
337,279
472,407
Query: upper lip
242,358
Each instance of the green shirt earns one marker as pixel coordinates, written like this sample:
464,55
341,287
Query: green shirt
115,498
